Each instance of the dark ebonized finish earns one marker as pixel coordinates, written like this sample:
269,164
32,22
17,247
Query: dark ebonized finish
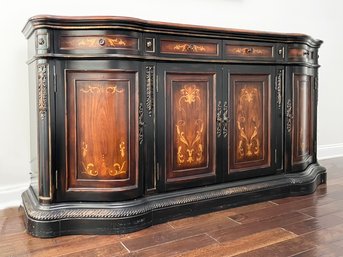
134,123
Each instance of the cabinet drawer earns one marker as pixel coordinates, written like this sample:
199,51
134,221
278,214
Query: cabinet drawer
98,41
239,50
189,47
301,53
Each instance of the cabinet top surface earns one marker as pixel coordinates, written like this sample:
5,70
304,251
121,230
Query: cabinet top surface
114,22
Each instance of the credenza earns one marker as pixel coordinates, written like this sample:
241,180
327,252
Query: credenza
134,123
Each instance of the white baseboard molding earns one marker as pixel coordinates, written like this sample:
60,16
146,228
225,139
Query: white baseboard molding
330,151
10,196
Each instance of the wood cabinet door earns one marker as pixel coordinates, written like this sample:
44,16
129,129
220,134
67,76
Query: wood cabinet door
186,114
252,116
300,118
101,135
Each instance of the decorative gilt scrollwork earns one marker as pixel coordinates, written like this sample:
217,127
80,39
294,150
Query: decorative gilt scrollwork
289,115
219,119
278,88
140,124
149,89
42,78
225,119
189,48
91,169
189,150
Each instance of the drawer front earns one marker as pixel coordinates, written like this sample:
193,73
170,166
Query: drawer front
301,53
237,50
98,41
190,47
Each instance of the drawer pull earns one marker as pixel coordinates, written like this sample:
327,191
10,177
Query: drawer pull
102,42
190,48
249,50
306,52
41,41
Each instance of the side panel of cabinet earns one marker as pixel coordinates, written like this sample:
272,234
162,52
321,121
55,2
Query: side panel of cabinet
300,124
187,131
253,113
101,133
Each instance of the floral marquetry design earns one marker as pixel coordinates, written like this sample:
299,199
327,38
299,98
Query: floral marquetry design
248,123
98,42
190,125
115,169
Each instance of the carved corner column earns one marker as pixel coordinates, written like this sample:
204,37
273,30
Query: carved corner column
44,122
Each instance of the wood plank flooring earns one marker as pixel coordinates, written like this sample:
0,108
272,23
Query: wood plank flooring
310,225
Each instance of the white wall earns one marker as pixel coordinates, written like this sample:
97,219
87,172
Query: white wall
320,19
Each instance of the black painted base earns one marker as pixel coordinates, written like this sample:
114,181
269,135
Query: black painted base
123,217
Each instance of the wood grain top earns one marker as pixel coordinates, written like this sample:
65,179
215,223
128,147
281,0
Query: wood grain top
110,22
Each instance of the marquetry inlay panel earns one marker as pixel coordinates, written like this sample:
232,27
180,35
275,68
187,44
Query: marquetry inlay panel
98,42
190,101
247,51
188,47
101,146
250,122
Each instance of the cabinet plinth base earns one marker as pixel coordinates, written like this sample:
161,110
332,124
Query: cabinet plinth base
123,217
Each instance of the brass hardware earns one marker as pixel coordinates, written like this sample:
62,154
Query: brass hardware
249,50
149,45
306,52
140,124
278,88
280,51
225,119
42,78
289,115
41,41
102,41
149,76
190,47
219,119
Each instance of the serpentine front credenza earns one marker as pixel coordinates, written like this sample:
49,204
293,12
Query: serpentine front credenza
135,123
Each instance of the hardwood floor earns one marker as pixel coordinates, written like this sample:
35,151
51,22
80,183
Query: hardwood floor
310,225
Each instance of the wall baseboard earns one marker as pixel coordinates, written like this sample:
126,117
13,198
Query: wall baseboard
10,196
330,151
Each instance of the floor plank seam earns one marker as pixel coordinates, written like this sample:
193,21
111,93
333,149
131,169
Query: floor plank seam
164,243
239,223
212,238
304,251
274,203
125,246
